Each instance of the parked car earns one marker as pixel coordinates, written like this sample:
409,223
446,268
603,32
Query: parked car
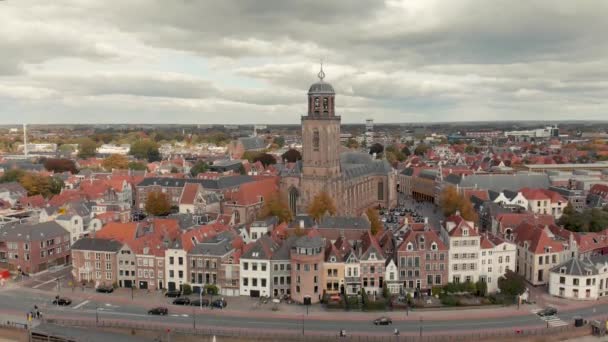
62,301
160,311
383,321
181,301
548,311
198,302
173,293
219,303
105,289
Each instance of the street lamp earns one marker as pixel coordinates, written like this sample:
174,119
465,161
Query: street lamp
420,326
193,319
132,290
96,314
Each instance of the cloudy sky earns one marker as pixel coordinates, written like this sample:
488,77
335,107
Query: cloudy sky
251,61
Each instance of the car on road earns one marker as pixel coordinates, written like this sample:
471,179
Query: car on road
159,311
383,321
181,301
105,289
219,303
173,293
548,311
198,302
62,301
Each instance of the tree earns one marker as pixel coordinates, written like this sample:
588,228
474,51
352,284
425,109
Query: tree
137,166
199,167
320,205
145,149
374,219
60,165
174,170
186,289
421,149
450,202
250,155
12,175
352,143
511,284
589,220
36,184
406,151
292,155
279,141
275,207
376,148
158,204
211,289
87,148
265,158
482,288
115,161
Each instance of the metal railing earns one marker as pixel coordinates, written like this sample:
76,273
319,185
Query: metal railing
250,335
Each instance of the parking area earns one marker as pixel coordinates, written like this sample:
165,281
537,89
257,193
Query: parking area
50,280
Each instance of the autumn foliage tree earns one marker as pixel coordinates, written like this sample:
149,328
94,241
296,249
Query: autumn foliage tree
115,161
275,207
158,204
37,184
451,202
320,205
374,220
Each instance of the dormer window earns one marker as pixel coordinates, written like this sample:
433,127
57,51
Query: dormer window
332,259
372,256
562,270
465,232
433,246
410,247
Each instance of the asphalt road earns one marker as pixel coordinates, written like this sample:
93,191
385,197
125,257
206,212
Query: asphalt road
14,301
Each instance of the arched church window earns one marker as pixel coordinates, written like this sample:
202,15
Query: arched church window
315,140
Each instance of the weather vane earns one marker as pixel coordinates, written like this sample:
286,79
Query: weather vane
321,73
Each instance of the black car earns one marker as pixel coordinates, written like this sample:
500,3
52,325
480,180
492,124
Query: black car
198,302
173,293
219,303
383,321
62,301
181,301
548,311
105,289
160,311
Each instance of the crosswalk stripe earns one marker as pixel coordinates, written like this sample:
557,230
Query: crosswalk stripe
81,304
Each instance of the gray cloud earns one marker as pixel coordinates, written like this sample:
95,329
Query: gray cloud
252,61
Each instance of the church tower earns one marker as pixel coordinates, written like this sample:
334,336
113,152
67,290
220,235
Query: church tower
320,145
321,132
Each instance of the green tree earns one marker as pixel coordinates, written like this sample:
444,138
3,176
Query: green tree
406,151
376,148
186,289
199,167
511,284
211,289
158,204
137,166
250,155
374,219
279,141
482,288
145,149
320,205
12,175
421,149
87,148
352,143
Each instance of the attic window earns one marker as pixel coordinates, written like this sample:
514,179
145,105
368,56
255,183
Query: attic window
410,247
332,259
372,256
465,232
433,246
255,254
562,270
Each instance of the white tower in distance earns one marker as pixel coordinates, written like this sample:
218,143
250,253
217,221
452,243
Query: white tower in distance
25,139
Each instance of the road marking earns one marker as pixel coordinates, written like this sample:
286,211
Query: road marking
184,315
46,282
81,304
174,315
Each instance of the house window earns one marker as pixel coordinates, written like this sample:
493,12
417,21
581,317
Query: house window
245,281
246,266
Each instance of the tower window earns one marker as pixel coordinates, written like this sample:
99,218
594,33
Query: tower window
316,103
315,140
325,103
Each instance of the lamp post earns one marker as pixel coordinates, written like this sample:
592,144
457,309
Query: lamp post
420,326
193,319
132,290
96,314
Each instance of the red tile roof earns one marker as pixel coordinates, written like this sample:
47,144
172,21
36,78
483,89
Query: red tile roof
189,193
538,237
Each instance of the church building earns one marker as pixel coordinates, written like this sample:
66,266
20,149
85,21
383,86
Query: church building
354,180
